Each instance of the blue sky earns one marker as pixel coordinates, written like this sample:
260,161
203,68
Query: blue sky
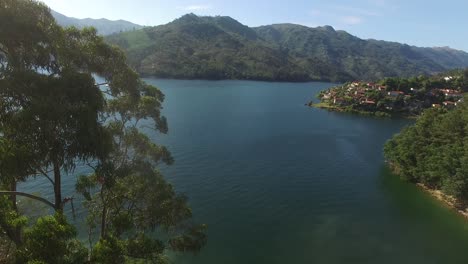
415,22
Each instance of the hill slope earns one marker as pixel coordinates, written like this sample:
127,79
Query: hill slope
433,152
103,26
222,48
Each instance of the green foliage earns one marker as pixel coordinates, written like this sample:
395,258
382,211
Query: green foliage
144,247
108,251
434,151
193,47
127,197
53,116
51,240
190,241
57,115
10,217
25,41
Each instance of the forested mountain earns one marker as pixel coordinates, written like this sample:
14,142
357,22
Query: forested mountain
103,26
222,48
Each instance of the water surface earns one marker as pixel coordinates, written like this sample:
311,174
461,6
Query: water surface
278,182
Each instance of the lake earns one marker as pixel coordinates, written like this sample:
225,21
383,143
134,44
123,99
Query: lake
279,182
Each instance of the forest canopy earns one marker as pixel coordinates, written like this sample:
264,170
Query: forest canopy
434,151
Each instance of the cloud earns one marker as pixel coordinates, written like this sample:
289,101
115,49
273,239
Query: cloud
196,7
352,20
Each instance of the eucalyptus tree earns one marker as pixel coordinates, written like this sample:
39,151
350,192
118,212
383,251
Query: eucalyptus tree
25,46
128,198
49,102
53,116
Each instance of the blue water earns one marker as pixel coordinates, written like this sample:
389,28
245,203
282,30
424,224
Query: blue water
278,182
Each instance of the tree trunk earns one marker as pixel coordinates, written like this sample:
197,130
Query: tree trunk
57,187
103,221
15,231
13,197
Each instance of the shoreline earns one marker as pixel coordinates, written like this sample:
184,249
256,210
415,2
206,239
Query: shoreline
334,82
451,202
448,200
326,106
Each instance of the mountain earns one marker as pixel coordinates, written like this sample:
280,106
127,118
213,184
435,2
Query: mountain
103,26
194,47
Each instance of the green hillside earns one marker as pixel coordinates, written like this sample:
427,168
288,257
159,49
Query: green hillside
433,152
194,47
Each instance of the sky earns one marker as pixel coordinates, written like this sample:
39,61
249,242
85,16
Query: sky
426,23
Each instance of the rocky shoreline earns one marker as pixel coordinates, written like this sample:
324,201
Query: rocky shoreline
450,201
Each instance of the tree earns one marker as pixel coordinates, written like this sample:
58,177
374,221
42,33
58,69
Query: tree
24,47
52,232
53,116
433,151
130,195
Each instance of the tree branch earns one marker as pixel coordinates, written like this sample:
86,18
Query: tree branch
108,92
91,166
47,176
37,198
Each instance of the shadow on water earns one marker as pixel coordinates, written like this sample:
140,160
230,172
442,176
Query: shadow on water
424,218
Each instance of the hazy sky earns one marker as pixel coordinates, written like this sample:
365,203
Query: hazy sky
416,22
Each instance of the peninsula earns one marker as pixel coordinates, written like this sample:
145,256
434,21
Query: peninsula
397,96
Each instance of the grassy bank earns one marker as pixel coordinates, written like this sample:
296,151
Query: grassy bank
335,108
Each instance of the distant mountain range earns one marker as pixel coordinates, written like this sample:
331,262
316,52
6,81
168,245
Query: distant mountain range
103,26
194,47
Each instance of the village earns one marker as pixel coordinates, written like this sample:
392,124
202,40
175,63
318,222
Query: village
381,99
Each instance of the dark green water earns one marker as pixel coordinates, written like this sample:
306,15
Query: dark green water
278,182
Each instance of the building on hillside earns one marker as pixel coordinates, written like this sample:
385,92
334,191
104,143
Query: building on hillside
367,102
326,96
449,104
338,101
382,88
453,95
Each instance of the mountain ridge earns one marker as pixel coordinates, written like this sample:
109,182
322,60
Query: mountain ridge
104,26
220,47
